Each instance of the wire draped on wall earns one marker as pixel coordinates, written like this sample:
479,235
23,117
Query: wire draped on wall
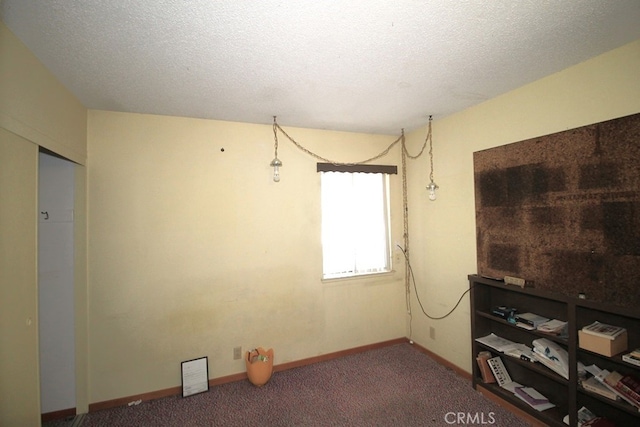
334,165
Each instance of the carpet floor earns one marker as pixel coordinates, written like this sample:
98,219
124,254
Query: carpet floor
390,386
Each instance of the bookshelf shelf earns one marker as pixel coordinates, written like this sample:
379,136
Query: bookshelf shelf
538,334
550,416
567,394
622,406
535,367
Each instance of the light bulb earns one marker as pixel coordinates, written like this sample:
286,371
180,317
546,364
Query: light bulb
275,164
432,187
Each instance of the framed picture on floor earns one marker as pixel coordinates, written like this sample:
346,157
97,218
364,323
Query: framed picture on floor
195,376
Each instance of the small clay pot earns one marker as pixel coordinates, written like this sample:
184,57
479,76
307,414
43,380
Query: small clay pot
259,365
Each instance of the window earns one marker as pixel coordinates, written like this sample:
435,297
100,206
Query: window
355,223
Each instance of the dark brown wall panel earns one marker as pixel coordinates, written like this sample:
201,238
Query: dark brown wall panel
563,210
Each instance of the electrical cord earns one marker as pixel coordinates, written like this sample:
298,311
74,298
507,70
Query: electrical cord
413,279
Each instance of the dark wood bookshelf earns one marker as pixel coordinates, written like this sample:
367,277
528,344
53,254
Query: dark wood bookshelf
567,394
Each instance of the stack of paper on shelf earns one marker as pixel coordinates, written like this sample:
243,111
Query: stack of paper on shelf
510,348
495,342
554,327
593,385
633,357
521,351
533,398
530,321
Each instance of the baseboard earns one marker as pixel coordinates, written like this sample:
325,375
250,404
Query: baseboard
337,354
444,362
173,391
124,401
57,415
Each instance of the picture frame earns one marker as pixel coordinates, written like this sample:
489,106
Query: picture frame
195,376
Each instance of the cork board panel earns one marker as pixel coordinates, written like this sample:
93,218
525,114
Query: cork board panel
563,211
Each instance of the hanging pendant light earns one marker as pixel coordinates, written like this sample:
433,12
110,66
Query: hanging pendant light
276,164
432,187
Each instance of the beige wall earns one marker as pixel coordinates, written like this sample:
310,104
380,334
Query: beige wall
34,105
35,110
19,384
194,250
443,232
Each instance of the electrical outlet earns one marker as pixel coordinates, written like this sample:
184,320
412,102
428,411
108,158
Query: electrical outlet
237,353
432,332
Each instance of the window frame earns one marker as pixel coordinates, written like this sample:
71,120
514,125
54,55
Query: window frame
384,171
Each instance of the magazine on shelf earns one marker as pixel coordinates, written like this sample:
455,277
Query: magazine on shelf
631,358
603,330
521,351
510,348
553,326
529,321
495,342
594,386
533,398
531,395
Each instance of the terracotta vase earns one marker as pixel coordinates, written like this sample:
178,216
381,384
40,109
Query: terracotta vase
259,365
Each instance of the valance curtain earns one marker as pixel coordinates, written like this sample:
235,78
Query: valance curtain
330,167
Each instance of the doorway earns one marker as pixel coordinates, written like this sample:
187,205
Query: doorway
56,313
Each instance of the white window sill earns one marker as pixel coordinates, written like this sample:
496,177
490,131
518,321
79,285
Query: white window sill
358,277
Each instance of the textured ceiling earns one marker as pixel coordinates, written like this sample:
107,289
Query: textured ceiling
372,66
